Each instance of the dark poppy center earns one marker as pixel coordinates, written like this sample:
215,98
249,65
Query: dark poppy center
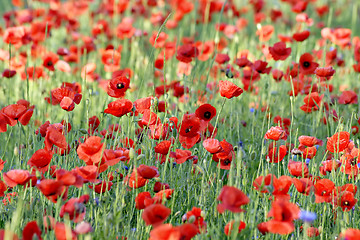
158,216
207,115
323,193
187,130
346,203
120,85
49,63
227,162
306,64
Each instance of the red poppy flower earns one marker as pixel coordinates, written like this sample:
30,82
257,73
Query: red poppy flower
275,133
49,61
279,51
118,86
30,230
348,97
229,89
7,73
64,232
260,67
119,107
265,33
91,150
158,186
243,62
150,118
13,35
70,178
308,140
111,59
325,72
281,187
276,154
298,169
15,177
312,102
231,199
348,187
195,216
3,188
17,112
147,172
307,66
303,185
182,156
212,145
165,232
88,173
40,160
308,152
143,200
277,75
229,227
125,29
329,166
186,53
205,112
189,130
263,228
299,6
350,234
163,147
74,208
54,136
135,180
94,123
102,187
205,49
52,189
324,190
283,214
222,58
163,194
346,200
301,36
225,155
338,142
155,214
262,182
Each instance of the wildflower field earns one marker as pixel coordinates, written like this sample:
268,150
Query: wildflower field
179,119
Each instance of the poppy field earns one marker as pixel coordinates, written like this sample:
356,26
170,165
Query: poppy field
179,119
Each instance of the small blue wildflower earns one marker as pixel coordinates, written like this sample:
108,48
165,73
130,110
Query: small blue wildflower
97,201
358,165
307,216
252,110
307,161
294,157
126,168
174,164
240,143
317,147
133,229
38,181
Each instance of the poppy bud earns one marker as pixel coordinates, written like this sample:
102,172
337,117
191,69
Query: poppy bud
83,131
132,153
140,156
229,74
191,219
